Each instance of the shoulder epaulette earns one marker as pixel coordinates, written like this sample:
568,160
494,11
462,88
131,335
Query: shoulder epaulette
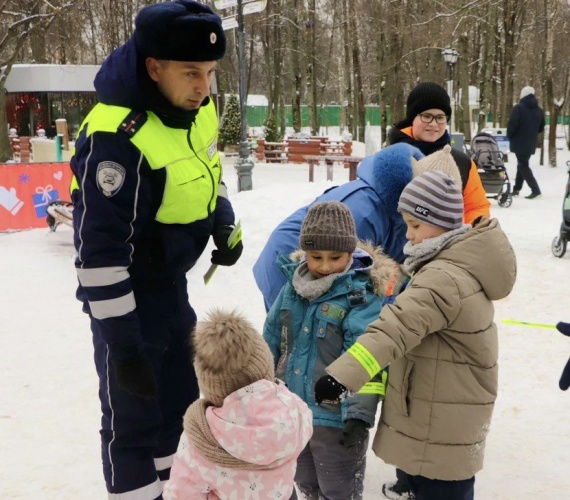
133,122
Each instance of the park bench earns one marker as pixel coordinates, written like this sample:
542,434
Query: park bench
350,162
271,152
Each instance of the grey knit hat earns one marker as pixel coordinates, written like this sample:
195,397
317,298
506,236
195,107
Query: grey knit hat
328,225
427,95
440,160
433,198
229,354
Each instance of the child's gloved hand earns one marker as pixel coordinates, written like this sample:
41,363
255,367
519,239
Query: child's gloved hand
328,389
564,383
355,432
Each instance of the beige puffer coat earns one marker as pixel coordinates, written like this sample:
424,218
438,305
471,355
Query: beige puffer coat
441,345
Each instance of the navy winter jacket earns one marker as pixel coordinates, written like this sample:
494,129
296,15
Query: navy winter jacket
121,246
525,123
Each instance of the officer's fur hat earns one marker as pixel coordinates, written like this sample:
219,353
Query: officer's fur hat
183,30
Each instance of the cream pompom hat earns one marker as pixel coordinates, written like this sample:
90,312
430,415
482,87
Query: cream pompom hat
229,354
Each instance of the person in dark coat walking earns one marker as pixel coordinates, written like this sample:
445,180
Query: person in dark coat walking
525,123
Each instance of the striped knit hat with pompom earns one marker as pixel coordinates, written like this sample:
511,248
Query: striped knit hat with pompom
433,198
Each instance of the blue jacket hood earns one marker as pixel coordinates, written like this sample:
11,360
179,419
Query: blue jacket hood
389,171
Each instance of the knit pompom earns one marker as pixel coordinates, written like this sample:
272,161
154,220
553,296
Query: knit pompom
229,354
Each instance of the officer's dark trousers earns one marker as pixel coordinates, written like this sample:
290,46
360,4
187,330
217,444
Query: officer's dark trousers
524,173
139,437
436,489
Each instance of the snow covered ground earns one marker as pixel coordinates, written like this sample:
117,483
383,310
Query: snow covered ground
49,410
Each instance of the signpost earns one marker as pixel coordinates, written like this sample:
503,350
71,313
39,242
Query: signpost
244,164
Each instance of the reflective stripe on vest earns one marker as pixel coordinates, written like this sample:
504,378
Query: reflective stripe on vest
191,160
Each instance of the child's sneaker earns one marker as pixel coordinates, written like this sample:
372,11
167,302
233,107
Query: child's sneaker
397,491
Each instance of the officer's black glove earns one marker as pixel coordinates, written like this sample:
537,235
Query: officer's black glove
355,432
565,378
225,256
135,374
328,389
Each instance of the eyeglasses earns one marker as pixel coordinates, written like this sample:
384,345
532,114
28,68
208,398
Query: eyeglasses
428,118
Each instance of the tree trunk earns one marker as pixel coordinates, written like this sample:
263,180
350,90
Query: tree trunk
360,115
311,29
550,13
566,100
464,118
296,68
485,73
5,149
92,31
513,19
348,102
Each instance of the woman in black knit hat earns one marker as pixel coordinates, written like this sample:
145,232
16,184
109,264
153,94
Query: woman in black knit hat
428,110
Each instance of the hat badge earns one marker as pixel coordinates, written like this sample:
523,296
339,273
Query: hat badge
213,38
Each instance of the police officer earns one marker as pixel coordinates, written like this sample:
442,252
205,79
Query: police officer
148,195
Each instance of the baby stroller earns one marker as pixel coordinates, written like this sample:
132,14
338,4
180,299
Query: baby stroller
488,157
559,243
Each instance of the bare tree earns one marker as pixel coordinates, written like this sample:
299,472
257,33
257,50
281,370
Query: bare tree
554,104
18,21
353,52
311,49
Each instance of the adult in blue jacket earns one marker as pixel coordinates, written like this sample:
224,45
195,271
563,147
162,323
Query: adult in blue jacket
373,201
148,196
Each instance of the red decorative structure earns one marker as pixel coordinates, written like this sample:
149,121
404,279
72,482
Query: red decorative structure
25,191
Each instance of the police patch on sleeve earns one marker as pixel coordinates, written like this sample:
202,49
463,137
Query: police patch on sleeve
110,177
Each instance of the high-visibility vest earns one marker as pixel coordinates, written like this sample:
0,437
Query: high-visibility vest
191,159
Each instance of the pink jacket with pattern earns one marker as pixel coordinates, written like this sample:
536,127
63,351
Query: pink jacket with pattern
262,423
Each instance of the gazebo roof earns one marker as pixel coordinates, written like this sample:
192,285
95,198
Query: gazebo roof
51,78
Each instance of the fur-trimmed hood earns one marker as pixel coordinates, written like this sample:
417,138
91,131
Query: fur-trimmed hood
386,274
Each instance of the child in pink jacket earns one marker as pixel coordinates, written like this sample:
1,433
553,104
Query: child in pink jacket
243,438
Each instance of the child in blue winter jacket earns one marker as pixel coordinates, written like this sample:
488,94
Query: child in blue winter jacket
333,291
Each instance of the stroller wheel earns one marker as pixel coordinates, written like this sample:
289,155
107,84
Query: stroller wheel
505,200
51,222
559,246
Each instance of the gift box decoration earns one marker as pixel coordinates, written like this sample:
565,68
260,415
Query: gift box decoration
43,197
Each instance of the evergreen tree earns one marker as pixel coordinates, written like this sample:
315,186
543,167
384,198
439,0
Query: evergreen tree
230,130
271,129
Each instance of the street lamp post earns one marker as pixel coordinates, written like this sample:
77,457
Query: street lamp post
450,56
244,164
